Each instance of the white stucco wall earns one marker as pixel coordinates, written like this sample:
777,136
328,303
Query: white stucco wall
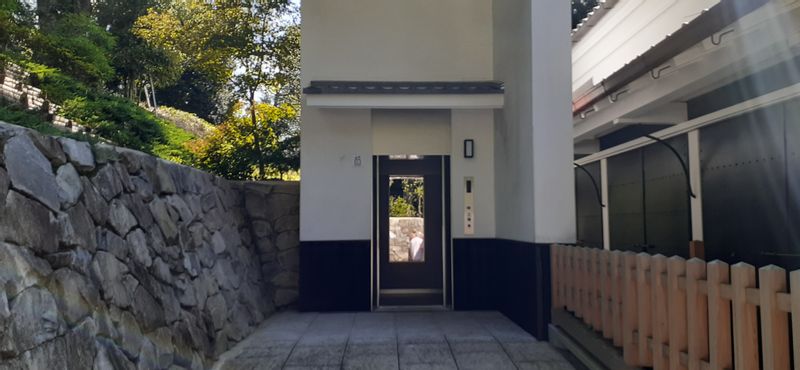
533,133
335,194
513,131
553,155
403,40
423,132
627,31
409,40
522,169
477,125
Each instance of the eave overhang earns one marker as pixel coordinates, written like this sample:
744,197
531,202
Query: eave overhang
405,95
703,26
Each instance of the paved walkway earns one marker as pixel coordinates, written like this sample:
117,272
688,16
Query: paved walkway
435,340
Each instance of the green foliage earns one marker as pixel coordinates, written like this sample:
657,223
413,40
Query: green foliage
97,58
16,26
194,92
77,46
186,121
399,207
126,124
241,150
201,35
408,197
56,86
33,120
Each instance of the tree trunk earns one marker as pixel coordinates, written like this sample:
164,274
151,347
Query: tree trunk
257,138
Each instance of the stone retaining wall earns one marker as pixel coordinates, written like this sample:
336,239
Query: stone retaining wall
110,258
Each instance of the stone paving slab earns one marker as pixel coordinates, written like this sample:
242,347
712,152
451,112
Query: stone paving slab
392,341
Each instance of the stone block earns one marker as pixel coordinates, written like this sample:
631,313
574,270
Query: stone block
69,184
84,233
94,202
140,253
163,179
106,181
30,172
5,183
108,273
131,335
218,243
77,259
34,319
50,148
76,296
78,153
288,240
104,153
110,242
20,269
165,222
147,310
120,218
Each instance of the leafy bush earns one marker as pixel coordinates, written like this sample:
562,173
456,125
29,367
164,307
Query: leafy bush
399,207
57,87
33,120
129,125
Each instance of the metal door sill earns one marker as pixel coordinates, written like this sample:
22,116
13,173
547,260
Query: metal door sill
411,309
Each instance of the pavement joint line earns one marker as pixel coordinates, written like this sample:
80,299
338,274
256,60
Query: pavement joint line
288,356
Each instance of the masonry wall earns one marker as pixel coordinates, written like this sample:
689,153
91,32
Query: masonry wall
110,258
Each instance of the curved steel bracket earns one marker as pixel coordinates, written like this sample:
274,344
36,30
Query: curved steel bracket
718,41
683,163
585,113
594,183
615,96
656,73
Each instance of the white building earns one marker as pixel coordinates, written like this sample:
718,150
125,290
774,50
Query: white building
469,97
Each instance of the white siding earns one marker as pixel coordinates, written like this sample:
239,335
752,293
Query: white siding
627,31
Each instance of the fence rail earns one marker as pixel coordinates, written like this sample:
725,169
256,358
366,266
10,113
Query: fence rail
670,313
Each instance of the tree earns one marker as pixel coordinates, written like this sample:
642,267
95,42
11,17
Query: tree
580,9
136,63
16,26
202,36
77,46
194,92
269,69
50,10
241,150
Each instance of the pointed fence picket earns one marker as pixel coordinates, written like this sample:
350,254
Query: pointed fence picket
669,313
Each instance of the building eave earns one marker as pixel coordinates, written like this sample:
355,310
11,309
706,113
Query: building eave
703,26
404,88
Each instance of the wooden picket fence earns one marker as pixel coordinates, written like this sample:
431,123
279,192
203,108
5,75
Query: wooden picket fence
669,313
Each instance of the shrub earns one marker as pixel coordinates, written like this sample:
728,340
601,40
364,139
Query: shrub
33,120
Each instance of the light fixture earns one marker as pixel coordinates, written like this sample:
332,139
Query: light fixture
469,148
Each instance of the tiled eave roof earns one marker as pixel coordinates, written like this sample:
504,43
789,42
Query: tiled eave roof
600,11
404,88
